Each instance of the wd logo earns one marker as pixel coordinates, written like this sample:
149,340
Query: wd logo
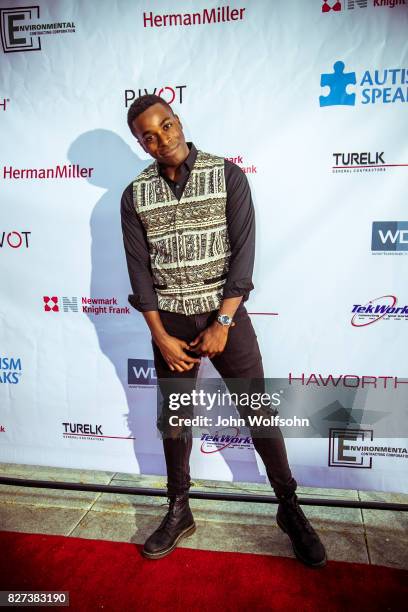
389,236
12,24
347,446
141,372
64,304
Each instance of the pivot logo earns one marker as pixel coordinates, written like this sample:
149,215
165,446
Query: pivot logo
53,304
19,34
389,236
169,94
385,86
383,307
345,448
141,372
10,370
14,240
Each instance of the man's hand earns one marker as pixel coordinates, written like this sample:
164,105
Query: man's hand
172,350
211,341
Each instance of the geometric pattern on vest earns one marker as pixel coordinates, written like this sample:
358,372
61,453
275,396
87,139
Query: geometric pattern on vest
188,239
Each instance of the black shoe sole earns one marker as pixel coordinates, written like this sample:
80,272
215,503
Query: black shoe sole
298,555
163,553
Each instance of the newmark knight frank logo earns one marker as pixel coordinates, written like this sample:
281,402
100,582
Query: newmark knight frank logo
94,306
21,31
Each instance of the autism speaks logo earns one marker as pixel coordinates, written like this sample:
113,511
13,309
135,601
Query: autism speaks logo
379,86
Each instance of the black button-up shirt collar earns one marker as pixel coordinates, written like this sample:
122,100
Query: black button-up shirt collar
177,187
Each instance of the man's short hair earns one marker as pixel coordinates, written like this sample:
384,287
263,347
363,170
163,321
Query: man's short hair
141,104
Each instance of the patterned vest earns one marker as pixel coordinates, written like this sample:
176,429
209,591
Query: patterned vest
188,239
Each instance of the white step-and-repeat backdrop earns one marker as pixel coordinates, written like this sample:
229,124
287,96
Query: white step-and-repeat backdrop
310,99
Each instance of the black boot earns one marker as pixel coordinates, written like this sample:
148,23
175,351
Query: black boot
305,541
177,524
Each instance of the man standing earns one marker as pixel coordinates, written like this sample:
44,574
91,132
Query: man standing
189,237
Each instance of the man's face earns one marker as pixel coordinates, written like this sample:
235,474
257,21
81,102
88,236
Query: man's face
160,133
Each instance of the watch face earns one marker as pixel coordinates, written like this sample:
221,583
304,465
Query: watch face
225,319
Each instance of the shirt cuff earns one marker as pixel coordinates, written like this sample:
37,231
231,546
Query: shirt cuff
143,303
238,288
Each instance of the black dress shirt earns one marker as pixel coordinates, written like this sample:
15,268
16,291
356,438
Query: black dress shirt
241,231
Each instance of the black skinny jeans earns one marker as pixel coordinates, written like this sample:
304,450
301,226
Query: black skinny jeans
242,359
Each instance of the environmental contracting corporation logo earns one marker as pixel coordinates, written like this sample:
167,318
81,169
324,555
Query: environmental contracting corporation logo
19,33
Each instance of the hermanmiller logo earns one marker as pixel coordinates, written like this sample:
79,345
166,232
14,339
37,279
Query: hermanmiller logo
169,94
19,34
10,370
14,239
384,86
390,237
94,306
353,448
383,307
67,171
206,16
141,372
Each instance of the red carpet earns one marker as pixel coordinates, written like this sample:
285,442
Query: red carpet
114,576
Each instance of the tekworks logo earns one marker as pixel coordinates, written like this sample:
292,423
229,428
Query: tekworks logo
331,5
95,306
20,32
10,370
169,93
219,441
354,448
141,373
384,307
14,240
389,237
382,86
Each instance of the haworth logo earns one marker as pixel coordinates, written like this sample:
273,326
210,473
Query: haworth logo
389,236
378,86
168,93
350,381
384,307
18,33
10,370
141,372
14,239
93,306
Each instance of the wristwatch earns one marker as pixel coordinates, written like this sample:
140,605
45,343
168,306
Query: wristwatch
224,320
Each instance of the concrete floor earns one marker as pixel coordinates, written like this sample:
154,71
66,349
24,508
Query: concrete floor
349,534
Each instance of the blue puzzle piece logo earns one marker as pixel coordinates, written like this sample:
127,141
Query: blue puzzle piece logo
338,81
